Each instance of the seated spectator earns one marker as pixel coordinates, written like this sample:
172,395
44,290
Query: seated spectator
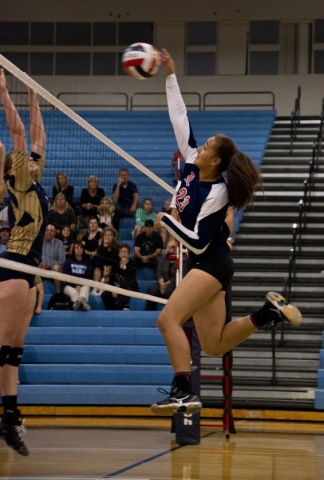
91,240
4,237
53,255
166,277
148,246
124,277
62,185
61,214
39,294
109,299
90,200
4,216
177,164
142,214
78,266
107,254
167,208
125,197
67,240
105,212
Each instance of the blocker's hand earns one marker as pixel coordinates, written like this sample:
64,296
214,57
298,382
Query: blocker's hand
3,81
167,61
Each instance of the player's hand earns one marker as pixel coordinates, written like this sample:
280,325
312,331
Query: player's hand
3,81
167,61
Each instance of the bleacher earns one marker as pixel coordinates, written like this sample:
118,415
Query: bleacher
115,358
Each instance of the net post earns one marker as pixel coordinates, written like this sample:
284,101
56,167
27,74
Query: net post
187,427
227,383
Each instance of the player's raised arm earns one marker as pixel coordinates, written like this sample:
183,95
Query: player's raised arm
3,187
15,124
37,131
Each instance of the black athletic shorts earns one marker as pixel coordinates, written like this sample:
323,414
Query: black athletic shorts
219,266
7,274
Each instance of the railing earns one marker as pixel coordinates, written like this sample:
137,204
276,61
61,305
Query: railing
295,120
298,230
103,97
147,96
251,104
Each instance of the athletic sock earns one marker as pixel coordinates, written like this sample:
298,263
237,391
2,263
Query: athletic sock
9,403
182,380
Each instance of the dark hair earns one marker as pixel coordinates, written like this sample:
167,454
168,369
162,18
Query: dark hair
73,250
124,245
242,174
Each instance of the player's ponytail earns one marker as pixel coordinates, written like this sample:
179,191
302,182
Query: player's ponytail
242,175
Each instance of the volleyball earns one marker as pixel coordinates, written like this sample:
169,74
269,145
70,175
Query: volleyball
141,60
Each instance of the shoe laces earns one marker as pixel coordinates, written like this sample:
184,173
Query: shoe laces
163,390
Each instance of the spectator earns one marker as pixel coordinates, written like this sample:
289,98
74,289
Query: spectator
67,240
62,185
90,201
53,255
109,297
107,254
166,277
105,212
4,216
177,168
123,277
61,214
39,294
78,266
142,214
167,206
4,237
148,246
125,197
91,240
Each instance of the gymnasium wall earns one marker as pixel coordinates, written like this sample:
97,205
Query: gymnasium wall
170,17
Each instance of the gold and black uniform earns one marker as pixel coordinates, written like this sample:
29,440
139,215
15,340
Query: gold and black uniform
27,214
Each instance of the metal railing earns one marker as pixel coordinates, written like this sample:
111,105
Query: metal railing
147,104
297,234
104,99
251,104
295,120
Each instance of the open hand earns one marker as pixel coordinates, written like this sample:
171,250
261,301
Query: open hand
167,61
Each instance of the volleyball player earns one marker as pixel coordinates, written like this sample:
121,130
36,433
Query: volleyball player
20,173
202,200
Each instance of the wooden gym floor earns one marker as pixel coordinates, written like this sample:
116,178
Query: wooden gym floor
134,447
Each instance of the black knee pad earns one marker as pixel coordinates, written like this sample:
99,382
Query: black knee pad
4,354
14,357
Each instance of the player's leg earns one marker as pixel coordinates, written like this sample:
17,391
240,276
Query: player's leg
195,290
11,426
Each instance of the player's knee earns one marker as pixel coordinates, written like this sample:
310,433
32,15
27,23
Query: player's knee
15,356
4,354
211,349
162,322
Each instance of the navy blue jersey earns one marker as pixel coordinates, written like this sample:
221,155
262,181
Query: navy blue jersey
202,206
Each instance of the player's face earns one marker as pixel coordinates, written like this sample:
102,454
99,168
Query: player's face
206,154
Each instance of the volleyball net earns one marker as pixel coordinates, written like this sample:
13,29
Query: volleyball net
81,144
